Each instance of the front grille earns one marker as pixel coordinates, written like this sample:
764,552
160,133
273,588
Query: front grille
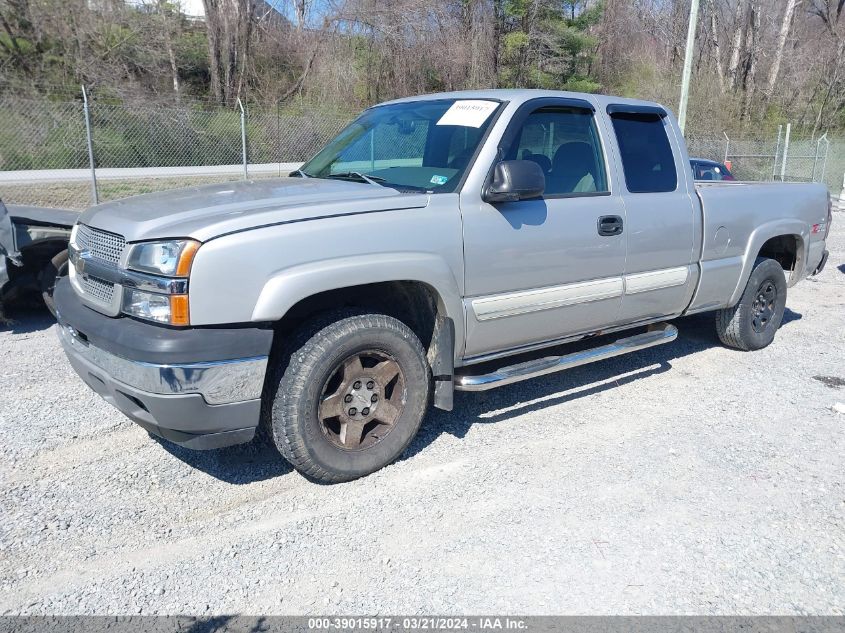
100,290
107,247
104,247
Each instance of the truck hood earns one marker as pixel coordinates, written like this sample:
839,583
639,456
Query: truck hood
209,211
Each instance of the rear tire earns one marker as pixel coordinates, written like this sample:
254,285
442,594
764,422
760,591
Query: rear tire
55,269
348,396
753,322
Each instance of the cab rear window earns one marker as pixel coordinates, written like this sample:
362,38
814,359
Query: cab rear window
647,158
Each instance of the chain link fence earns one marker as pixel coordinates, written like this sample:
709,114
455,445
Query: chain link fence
781,157
140,148
145,147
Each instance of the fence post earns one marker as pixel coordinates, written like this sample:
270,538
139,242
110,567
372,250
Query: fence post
823,137
727,145
243,138
278,148
824,161
785,152
777,152
94,195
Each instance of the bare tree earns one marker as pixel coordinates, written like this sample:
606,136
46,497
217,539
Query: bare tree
830,11
300,11
777,60
165,12
715,50
229,28
832,82
363,51
736,43
752,39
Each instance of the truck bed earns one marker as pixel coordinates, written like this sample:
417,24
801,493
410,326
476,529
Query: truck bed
731,238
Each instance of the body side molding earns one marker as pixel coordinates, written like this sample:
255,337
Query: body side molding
525,301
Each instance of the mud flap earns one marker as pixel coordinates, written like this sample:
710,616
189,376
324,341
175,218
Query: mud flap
441,358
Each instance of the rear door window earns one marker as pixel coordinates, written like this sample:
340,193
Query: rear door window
647,157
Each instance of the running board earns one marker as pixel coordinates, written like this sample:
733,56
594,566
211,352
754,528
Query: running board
656,335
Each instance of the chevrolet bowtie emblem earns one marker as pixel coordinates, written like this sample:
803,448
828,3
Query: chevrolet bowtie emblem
79,257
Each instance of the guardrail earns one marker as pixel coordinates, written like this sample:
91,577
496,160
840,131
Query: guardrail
35,176
71,188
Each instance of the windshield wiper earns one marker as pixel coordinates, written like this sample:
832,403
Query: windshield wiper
357,175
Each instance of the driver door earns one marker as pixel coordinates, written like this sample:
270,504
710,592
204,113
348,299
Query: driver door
543,269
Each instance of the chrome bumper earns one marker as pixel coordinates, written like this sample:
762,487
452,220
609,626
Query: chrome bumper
219,382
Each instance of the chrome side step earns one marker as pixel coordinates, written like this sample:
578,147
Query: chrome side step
656,335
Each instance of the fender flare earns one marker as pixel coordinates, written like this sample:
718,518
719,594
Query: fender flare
760,236
289,286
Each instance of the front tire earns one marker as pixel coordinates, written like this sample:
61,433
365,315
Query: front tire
349,396
753,322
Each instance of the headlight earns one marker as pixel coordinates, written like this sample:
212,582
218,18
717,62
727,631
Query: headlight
162,308
172,258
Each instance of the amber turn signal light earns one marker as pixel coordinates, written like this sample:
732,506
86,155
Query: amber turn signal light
186,258
179,314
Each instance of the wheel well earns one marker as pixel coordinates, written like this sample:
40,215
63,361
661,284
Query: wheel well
414,303
34,257
784,249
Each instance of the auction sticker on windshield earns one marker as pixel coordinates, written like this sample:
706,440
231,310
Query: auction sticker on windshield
468,112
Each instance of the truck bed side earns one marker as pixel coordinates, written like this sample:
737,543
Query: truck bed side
740,219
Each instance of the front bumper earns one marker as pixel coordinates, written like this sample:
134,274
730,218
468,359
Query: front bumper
181,396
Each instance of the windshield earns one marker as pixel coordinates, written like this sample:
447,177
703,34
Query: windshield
414,146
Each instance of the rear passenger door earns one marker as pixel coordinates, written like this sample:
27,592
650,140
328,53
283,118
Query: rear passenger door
660,275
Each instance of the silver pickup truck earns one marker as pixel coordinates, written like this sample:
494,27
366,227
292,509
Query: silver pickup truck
440,242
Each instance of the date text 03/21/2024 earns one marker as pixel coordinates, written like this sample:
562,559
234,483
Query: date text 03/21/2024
417,623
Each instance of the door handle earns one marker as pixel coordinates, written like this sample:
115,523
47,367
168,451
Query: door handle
610,225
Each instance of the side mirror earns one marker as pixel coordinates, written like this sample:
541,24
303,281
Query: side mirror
515,180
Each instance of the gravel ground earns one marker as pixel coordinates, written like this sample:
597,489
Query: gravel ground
683,479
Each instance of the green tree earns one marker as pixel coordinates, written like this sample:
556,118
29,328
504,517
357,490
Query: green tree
549,44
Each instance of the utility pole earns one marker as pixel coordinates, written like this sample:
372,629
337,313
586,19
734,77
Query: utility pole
785,152
688,55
